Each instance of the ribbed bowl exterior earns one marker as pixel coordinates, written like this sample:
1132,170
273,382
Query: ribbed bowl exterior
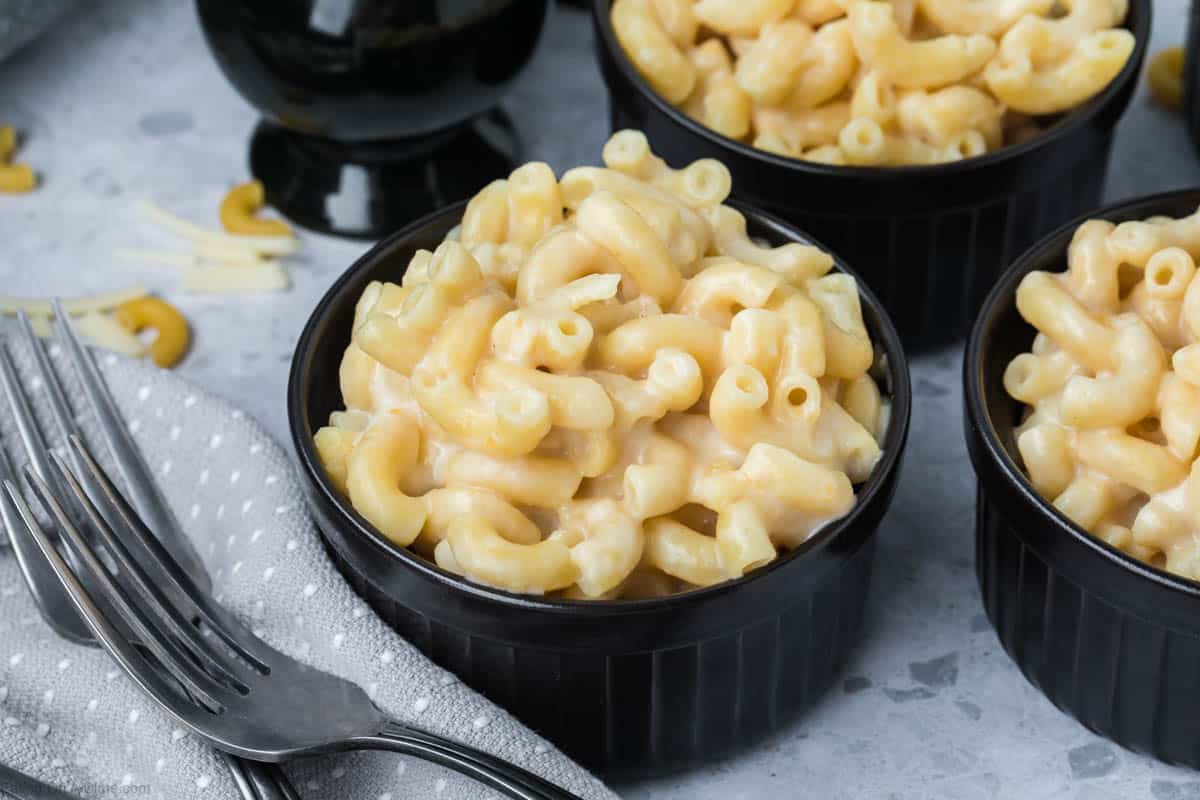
1111,641
630,714
929,241
1127,678
629,688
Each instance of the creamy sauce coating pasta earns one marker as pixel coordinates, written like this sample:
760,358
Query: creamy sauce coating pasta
1112,387
599,386
875,82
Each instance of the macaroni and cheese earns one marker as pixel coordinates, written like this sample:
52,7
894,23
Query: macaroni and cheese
874,82
1113,387
600,386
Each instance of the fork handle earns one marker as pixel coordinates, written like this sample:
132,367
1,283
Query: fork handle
16,785
259,781
508,779
269,781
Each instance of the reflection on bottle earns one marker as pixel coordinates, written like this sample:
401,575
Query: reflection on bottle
346,204
331,16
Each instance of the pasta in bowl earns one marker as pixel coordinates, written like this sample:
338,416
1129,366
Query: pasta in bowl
875,82
1112,385
929,141
1077,391
611,681
602,386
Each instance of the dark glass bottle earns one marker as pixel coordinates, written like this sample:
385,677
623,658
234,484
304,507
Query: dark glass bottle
374,111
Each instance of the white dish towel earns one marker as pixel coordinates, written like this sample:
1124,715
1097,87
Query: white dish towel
69,718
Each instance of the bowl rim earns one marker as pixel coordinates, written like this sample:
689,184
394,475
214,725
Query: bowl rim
1140,11
885,340
978,413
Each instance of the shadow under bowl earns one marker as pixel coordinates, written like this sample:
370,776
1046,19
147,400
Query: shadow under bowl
628,688
929,240
1109,639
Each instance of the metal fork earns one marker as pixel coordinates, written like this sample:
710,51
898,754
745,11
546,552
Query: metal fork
198,661
17,786
255,781
203,666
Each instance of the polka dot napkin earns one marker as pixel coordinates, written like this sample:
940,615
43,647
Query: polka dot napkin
69,718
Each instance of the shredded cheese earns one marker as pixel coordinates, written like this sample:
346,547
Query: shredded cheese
258,245
158,258
43,327
223,253
266,277
218,262
102,330
99,329
77,306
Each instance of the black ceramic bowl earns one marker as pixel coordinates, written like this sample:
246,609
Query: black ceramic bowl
625,687
929,240
1109,639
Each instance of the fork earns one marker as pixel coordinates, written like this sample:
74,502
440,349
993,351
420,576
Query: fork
255,781
202,665
199,662
17,786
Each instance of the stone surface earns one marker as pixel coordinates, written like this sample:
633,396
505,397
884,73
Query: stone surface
21,21
122,102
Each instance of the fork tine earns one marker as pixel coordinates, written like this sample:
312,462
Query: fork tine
34,569
37,449
195,682
60,409
137,478
177,624
27,427
218,620
9,520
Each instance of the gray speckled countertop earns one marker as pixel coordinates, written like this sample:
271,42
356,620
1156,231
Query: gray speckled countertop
122,102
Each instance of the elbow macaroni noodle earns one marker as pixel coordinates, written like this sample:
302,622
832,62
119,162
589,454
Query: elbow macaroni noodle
875,82
637,400
1112,386
239,208
14,178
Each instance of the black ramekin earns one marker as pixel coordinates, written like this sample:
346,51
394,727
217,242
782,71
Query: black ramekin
1107,638
929,240
626,687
